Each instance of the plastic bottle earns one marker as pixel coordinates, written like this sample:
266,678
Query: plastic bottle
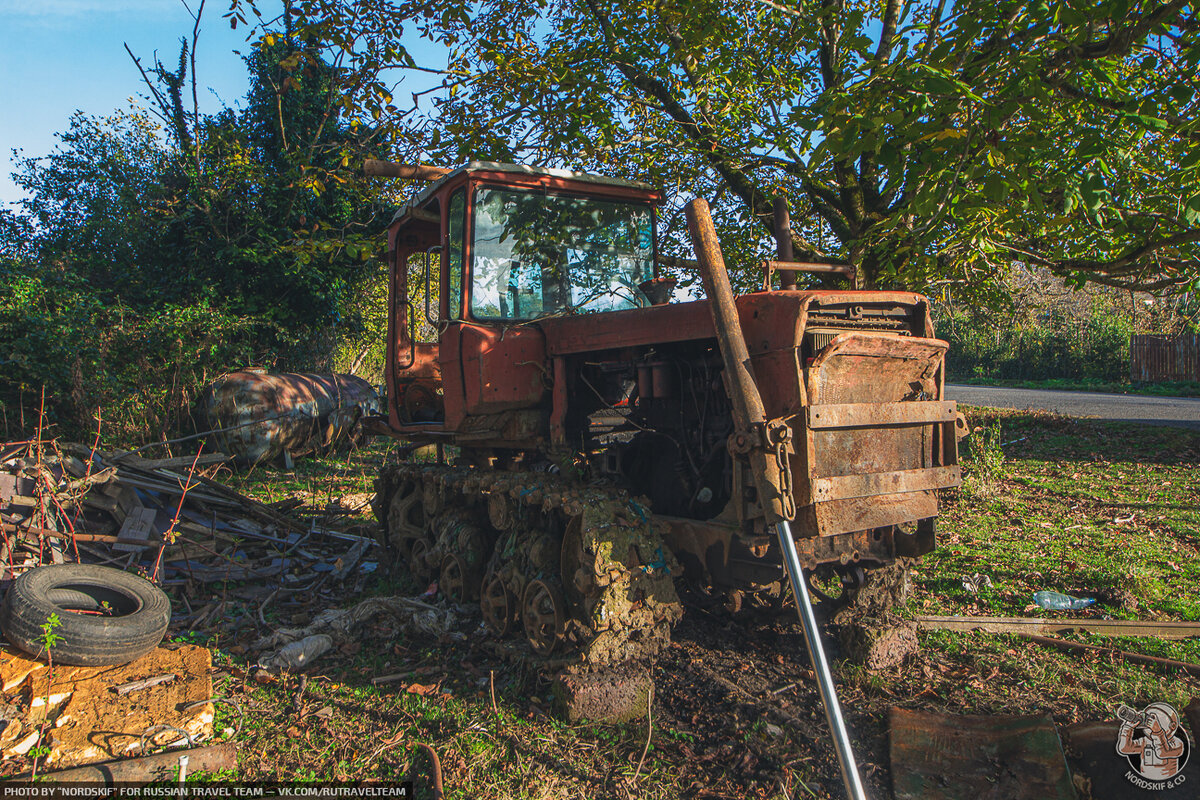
1056,601
298,655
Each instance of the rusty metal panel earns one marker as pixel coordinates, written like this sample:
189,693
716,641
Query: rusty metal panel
851,415
953,757
868,513
1164,358
502,369
261,416
840,487
872,368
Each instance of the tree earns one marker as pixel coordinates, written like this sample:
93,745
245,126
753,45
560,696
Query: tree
927,143
150,257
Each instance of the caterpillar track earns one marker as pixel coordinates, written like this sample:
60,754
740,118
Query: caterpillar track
580,573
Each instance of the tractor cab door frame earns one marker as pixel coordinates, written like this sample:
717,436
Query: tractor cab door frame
413,374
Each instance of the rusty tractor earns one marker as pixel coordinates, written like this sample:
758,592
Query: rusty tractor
593,450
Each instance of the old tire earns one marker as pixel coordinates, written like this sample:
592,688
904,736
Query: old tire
129,619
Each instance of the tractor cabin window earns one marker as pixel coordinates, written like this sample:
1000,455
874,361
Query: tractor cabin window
539,254
455,230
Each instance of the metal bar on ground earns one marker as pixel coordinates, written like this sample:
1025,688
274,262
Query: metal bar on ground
1038,625
816,654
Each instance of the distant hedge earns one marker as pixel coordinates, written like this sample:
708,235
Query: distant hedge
1050,345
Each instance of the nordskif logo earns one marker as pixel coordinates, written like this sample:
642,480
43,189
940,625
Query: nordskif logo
1155,744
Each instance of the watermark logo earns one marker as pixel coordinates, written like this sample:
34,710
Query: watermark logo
1155,745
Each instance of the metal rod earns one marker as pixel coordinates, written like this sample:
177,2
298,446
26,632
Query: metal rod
816,654
390,169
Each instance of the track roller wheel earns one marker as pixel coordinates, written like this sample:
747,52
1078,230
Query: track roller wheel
455,581
576,563
501,513
544,614
497,604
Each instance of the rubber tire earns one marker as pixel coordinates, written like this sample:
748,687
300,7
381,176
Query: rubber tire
85,640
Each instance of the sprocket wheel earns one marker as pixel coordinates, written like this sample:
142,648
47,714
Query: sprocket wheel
544,614
403,521
497,604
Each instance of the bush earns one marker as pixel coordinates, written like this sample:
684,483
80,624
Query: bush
1050,345
143,369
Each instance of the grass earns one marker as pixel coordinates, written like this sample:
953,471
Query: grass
1084,507
1164,389
1090,509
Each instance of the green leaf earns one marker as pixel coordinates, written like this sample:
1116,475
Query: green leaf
1191,211
1093,192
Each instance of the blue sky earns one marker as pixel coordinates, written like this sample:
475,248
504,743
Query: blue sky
59,56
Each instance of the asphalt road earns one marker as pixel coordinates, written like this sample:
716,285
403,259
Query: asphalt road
1181,412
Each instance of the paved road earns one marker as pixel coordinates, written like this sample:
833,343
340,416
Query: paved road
1182,412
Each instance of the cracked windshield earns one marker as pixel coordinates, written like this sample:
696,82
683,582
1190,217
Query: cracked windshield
537,254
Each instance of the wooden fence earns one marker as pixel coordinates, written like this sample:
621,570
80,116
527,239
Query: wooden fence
1164,358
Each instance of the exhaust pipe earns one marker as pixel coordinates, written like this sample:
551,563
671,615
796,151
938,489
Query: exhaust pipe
390,169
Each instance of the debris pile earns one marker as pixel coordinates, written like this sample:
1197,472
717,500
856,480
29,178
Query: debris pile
168,519
82,715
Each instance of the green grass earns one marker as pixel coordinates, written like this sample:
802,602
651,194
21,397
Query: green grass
1089,509
1164,389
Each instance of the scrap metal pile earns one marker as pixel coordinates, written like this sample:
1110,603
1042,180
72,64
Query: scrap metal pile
167,518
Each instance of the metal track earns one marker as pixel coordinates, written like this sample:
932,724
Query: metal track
581,573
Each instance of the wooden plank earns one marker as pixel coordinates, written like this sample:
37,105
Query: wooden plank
138,526
872,415
176,464
841,487
1040,626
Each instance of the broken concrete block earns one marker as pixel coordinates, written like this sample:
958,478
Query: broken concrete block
608,696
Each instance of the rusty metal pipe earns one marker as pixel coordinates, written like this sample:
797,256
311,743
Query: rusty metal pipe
749,415
390,169
157,767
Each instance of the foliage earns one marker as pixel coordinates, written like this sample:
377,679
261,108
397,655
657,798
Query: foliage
983,461
926,143
48,639
152,256
1050,345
